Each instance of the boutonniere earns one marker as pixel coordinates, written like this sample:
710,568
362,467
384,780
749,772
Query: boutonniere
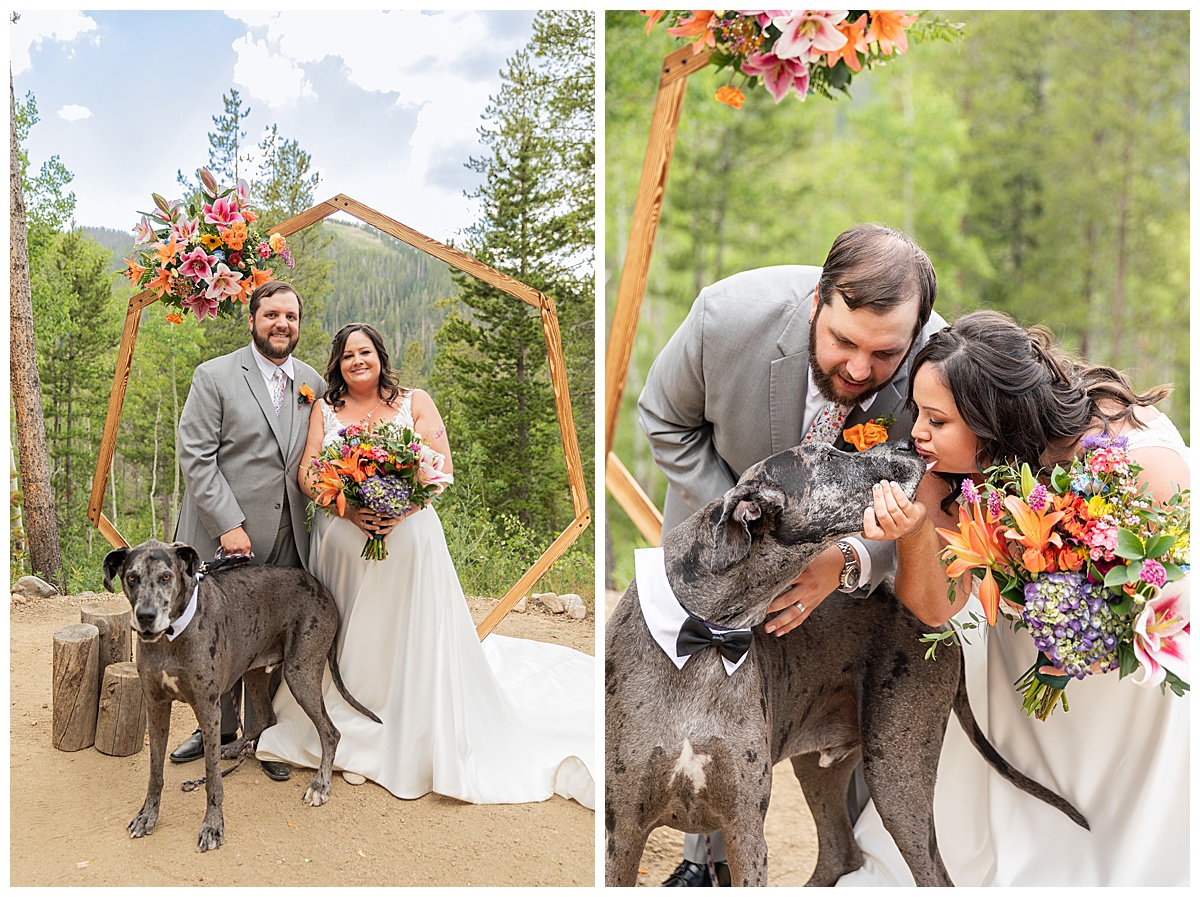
873,432
307,396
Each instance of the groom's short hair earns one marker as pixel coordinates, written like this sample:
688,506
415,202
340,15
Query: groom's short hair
878,267
270,288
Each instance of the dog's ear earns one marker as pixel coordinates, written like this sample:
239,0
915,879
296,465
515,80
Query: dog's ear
745,505
189,556
113,562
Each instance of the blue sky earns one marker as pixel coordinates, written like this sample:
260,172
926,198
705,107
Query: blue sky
387,103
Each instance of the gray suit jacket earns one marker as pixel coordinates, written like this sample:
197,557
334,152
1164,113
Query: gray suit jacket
239,457
729,389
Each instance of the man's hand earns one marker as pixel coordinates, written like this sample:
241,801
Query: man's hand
235,541
822,576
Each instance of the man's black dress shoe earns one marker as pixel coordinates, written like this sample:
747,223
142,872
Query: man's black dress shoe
192,747
280,772
693,875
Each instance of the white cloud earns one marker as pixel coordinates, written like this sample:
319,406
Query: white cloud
72,112
267,76
34,27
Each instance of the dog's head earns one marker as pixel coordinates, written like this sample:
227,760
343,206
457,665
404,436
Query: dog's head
782,513
158,580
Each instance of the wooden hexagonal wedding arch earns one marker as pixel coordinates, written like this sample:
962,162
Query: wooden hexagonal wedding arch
558,379
647,210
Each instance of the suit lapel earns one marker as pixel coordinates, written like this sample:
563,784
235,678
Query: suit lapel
789,381
258,389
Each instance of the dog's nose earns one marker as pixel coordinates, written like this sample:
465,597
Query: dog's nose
910,445
145,618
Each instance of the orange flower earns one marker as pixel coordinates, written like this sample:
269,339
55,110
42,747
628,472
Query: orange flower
654,14
235,235
249,216
697,26
863,436
306,394
277,242
855,44
133,270
174,318
162,282
329,489
166,252
1034,530
887,27
977,543
259,276
730,96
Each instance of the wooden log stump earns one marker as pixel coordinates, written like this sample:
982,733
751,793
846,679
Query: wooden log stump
76,686
113,618
121,722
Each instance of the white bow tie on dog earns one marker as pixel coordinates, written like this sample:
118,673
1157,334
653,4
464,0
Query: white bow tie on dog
664,615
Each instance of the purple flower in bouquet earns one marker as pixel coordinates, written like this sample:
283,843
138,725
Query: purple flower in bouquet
970,491
1071,623
385,495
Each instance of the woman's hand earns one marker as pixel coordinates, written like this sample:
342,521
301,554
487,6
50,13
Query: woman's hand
891,515
814,584
371,523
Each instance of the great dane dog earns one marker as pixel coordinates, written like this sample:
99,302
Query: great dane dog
197,634
693,747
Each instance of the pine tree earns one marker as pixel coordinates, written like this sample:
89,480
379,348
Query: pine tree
225,143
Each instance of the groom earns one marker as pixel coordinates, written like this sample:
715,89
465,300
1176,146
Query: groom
241,434
773,357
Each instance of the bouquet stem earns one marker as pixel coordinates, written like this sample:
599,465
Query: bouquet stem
375,549
1041,692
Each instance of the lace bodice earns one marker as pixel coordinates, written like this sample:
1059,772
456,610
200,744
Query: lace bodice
1158,433
404,418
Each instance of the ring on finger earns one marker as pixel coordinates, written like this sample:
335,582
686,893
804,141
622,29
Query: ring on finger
800,607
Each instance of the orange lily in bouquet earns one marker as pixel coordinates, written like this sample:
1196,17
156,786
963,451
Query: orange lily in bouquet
1090,561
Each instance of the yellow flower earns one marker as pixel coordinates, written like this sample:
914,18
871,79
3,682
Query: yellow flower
1098,507
210,241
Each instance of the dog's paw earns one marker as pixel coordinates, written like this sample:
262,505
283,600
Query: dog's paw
317,793
143,823
233,750
211,836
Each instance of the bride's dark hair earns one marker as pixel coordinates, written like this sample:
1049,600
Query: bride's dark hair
1021,393
335,392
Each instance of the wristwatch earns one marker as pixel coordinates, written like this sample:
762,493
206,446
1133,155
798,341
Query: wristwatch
852,570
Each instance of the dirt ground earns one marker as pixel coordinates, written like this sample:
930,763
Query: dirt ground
791,835
68,811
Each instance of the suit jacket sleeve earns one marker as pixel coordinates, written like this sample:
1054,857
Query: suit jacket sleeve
671,413
199,440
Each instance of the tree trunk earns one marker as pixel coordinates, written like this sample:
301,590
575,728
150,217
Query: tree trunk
75,685
45,553
121,718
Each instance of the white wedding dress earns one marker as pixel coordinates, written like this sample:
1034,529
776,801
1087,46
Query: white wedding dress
1120,755
503,721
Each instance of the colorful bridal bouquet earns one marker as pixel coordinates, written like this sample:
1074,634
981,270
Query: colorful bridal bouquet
796,50
1091,560
384,468
205,256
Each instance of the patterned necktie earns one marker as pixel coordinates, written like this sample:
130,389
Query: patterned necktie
278,385
827,426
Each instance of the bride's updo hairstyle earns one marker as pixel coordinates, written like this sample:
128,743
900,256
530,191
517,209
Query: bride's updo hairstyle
1023,395
335,392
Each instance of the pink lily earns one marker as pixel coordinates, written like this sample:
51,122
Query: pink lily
243,192
225,282
807,34
201,305
779,75
223,211
185,229
1162,636
764,16
197,264
145,231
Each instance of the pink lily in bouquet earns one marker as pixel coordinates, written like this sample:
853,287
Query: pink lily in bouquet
1162,636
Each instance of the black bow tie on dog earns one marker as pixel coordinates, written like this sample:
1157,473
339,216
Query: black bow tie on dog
694,635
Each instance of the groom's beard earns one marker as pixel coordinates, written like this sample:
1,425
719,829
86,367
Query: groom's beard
263,344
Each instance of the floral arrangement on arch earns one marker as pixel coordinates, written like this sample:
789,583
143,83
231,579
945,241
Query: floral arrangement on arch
1088,562
793,51
206,257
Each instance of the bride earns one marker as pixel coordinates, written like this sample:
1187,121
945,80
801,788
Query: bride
985,389
502,721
